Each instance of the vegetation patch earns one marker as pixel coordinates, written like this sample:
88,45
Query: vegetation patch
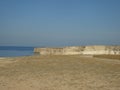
108,56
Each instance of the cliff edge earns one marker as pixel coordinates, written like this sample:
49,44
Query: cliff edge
79,50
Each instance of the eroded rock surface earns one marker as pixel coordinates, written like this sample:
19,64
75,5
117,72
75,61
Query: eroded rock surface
74,50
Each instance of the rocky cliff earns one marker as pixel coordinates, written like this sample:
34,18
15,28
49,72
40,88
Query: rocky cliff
74,50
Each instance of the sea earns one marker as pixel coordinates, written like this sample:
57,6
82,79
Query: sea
15,51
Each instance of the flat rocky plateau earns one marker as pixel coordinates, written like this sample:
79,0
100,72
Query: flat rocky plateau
59,73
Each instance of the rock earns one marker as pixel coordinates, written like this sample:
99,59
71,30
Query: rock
79,50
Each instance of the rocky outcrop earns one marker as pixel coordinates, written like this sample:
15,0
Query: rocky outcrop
80,50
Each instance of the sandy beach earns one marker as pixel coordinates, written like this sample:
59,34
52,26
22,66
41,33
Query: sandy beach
59,73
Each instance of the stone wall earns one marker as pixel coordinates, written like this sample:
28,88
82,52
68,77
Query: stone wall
80,50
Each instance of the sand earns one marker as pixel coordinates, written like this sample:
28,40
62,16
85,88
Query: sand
59,73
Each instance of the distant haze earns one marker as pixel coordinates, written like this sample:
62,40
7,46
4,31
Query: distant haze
59,22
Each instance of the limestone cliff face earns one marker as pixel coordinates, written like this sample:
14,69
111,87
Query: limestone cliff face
74,50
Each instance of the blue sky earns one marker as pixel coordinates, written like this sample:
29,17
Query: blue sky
59,22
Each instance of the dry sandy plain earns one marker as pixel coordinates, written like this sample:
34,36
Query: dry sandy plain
59,73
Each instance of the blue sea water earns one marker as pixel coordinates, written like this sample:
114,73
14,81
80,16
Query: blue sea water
14,51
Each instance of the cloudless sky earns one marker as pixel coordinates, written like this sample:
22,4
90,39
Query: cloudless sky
59,22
